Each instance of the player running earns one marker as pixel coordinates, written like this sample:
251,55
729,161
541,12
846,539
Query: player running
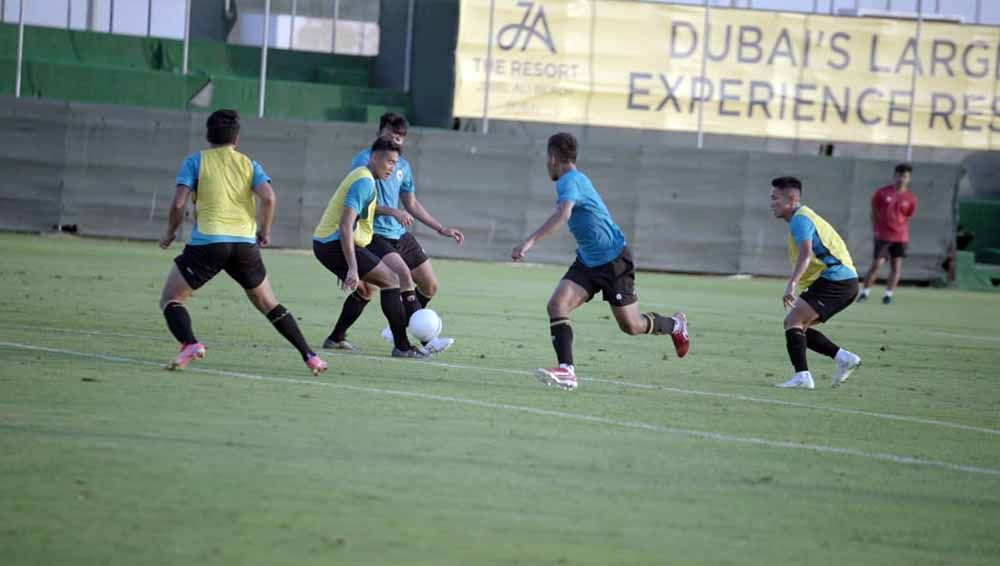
225,236
822,266
603,263
396,247
346,228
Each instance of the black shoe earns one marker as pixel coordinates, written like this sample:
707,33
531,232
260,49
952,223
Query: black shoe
862,298
886,300
415,353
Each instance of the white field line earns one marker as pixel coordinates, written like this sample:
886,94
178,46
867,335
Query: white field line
706,435
620,383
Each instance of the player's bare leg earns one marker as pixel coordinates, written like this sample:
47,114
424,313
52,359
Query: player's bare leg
567,297
631,321
175,293
895,270
262,297
870,279
800,335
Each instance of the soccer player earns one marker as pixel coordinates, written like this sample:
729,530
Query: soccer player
346,228
603,263
892,207
822,266
398,248
225,236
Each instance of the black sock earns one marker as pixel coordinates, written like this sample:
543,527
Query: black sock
179,323
354,304
392,308
659,324
424,299
795,339
562,339
818,342
284,323
410,303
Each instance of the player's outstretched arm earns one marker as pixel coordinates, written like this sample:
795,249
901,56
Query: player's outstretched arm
176,215
414,207
267,204
558,218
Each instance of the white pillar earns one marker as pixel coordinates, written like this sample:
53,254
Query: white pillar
263,59
701,85
20,48
408,61
149,18
913,85
291,34
187,36
485,125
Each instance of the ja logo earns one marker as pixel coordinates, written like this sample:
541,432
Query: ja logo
510,34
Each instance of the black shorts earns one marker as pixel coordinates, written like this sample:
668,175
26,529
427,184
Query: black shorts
828,297
331,255
406,246
199,264
615,279
891,250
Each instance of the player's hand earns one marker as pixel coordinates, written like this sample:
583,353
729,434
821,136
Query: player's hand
350,281
453,234
519,250
166,240
789,299
263,239
404,217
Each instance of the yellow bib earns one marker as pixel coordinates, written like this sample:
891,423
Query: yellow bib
328,228
224,199
830,247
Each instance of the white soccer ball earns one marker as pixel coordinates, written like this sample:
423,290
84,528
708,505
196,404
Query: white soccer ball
425,325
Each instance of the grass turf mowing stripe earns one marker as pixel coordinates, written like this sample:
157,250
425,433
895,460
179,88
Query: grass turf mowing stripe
706,435
644,386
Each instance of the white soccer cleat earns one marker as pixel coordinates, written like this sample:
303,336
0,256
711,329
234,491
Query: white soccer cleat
387,335
438,345
801,380
847,362
562,376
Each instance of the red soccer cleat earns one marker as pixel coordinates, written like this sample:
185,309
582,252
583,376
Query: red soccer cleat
680,335
316,364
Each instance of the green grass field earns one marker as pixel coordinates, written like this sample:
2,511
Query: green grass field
467,459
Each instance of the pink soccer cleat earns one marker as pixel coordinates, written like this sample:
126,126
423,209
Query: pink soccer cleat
316,364
562,376
680,335
188,353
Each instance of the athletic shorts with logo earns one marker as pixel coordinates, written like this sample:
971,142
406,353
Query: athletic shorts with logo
406,246
828,297
331,255
615,279
199,264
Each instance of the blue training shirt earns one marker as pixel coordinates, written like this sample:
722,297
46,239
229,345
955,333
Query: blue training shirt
802,228
599,240
401,181
187,175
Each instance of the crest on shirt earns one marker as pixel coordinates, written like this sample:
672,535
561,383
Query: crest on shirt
399,175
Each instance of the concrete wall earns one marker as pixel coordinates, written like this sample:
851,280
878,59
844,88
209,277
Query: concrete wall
110,171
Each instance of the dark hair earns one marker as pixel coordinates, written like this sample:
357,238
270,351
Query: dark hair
904,168
394,122
787,183
222,126
386,144
563,146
